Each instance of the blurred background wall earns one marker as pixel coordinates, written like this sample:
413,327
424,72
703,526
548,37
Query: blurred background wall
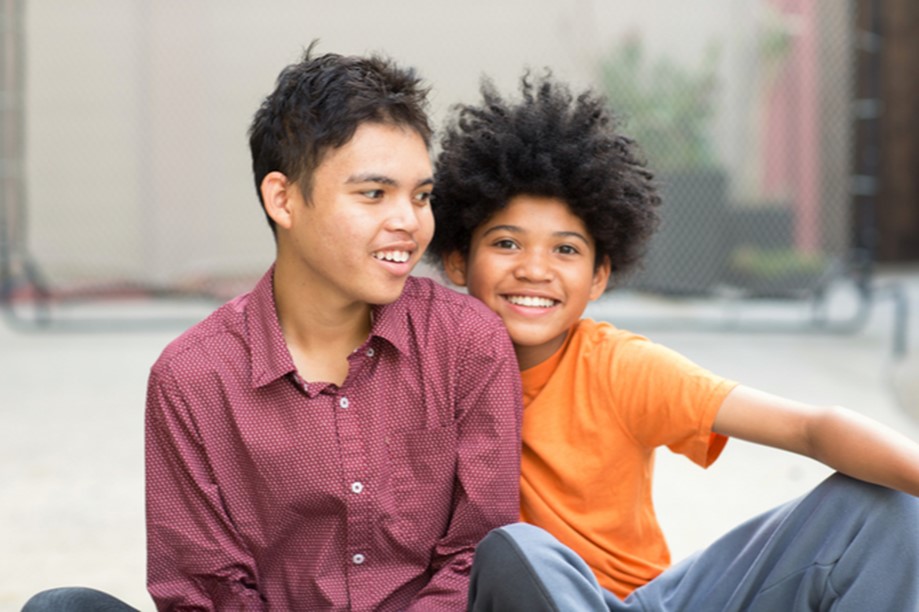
131,168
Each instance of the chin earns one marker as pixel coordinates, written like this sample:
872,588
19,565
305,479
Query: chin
381,298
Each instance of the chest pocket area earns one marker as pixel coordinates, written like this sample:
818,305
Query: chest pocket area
422,472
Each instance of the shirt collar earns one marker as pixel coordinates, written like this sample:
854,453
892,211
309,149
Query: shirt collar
391,321
270,356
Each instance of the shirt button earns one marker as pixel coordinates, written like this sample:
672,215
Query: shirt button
357,559
370,352
343,402
357,487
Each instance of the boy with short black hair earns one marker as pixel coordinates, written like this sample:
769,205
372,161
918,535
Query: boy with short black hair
538,204
342,436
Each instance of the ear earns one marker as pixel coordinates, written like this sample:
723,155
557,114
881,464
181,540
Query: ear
276,195
600,279
455,268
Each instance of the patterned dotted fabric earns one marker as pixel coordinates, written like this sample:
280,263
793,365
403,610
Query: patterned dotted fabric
265,491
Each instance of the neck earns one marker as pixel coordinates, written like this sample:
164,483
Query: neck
531,356
320,333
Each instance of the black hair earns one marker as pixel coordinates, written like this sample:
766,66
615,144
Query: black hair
549,144
318,104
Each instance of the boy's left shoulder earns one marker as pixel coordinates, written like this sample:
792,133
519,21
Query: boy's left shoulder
446,305
604,331
598,338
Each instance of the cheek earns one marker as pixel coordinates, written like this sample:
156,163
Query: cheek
474,273
353,225
425,225
475,284
483,285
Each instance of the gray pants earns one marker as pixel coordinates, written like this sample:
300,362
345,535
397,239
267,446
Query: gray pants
846,546
75,599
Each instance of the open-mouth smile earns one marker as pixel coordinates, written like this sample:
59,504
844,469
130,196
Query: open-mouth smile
394,256
531,301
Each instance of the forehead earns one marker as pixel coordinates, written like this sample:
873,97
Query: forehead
536,214
379,147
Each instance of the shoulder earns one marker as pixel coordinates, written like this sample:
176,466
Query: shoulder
424,298
602,337
602,347
437,321
199,347
621,352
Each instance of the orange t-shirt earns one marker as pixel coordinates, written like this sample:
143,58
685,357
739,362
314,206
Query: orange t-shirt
594,413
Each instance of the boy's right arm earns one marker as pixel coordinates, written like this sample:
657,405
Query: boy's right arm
841,439
195,557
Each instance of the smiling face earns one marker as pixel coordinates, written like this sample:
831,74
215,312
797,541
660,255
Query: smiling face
366,223
533,264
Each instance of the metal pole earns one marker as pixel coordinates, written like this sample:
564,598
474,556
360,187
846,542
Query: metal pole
11,145
868,109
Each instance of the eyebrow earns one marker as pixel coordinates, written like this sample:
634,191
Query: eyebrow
513,229
356,179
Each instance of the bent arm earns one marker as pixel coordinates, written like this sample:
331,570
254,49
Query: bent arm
486,489
840,438
195,557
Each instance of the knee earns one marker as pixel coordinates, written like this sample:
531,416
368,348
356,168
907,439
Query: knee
898,512
523,567
73,599
506,544
48,600
497,565
525,548
895,510
851,490
497,547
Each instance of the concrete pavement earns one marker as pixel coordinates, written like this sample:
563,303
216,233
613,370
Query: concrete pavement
71,441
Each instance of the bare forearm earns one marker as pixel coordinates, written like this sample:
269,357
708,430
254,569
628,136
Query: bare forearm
842,439
865,449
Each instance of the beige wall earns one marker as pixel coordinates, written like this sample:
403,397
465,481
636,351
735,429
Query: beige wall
137,110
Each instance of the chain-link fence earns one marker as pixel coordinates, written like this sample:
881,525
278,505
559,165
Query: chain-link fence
752,144
124,129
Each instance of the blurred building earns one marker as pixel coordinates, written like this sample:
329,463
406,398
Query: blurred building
888,136
134,169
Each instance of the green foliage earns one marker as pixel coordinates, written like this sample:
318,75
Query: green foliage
774,264
667,107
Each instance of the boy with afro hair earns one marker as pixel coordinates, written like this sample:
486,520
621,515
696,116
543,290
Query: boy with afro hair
538,205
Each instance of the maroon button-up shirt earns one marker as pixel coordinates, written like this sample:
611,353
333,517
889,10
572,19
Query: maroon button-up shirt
265,491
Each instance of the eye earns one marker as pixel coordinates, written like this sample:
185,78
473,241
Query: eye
373,194
567,249
505,243
423,198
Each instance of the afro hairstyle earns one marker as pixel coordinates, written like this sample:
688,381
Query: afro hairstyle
548,144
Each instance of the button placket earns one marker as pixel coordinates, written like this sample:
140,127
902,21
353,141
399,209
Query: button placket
359,501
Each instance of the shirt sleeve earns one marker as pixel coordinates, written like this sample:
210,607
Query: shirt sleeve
486,491
666,399
195,557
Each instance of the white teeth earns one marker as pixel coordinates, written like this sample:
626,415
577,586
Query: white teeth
533,302
397,256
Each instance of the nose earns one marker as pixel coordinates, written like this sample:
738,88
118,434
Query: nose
404,215
533,266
